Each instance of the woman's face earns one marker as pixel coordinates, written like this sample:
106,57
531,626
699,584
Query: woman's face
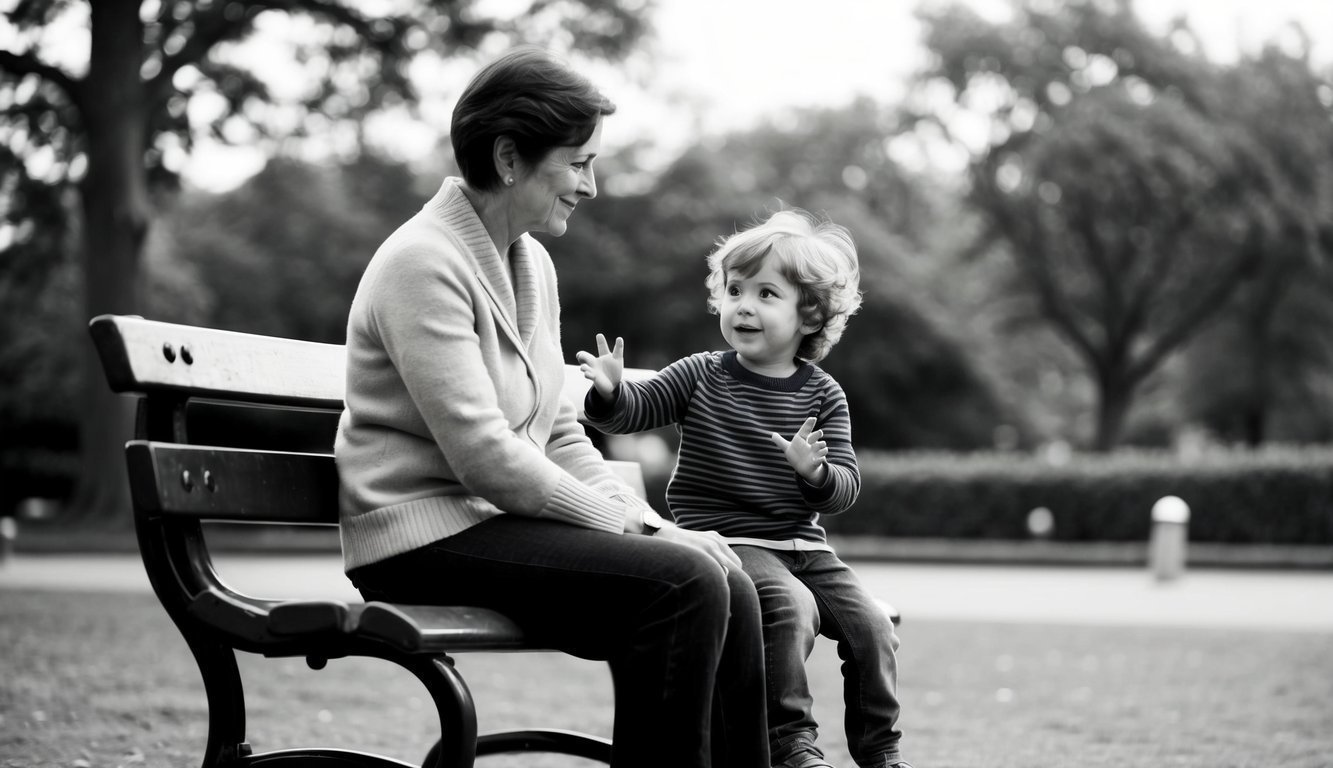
546,194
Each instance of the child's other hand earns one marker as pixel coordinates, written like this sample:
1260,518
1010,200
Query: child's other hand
606,369
805,452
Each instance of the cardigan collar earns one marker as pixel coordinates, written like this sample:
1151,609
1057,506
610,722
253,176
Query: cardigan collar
516,298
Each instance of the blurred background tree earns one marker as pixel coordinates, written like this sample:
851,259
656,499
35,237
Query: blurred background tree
1132,193
150,77
1264,370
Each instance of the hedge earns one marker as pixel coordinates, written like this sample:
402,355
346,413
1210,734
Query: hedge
1276,496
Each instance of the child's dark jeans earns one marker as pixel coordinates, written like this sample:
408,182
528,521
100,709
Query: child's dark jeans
807,593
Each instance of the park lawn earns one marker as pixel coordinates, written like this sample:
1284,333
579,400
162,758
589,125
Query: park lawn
104,680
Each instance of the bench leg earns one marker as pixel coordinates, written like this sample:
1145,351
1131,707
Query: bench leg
226,704
457,747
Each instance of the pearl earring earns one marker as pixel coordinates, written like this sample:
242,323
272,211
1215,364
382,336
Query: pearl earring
509,180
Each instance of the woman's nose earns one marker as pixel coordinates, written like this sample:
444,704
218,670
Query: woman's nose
588,184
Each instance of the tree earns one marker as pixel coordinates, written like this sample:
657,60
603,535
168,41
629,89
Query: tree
1273,351
115,124
1130,199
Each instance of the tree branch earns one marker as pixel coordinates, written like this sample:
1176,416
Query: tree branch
27,64
1192,317
215,26
1034,259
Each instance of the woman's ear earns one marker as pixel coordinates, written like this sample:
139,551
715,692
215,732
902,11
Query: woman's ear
505,156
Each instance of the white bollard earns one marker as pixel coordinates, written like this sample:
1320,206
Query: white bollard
1041,523
1166,545
9,531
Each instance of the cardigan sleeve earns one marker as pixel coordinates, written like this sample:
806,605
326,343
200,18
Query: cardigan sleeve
425,308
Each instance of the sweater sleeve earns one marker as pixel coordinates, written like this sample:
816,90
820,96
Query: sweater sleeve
842,482
638,406
425,313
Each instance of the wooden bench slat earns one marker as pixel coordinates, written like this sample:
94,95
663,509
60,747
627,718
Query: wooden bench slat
141,355
307,617
439,629
234,484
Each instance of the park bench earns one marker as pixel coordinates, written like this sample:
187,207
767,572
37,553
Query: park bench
238,428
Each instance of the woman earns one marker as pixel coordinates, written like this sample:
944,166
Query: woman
466,478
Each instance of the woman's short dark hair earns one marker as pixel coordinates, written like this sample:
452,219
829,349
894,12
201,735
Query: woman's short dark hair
533,98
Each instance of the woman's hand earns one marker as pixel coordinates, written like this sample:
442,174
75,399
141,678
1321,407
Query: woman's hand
710,543
606,369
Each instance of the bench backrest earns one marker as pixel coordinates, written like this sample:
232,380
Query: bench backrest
236,426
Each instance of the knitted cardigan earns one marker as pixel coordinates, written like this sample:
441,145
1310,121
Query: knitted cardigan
454,411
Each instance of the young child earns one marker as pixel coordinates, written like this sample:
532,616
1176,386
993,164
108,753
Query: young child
765,449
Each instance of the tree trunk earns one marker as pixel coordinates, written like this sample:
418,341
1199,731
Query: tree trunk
1114,398
115,202
1258,393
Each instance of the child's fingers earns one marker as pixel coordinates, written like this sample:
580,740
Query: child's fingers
602,347
778,440
807,427
619,351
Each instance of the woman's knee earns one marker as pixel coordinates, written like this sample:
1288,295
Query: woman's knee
700,582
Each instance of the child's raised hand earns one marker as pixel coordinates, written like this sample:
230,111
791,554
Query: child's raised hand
606,369
805,452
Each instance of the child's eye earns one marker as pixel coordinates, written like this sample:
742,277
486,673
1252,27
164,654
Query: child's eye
733,290
767,293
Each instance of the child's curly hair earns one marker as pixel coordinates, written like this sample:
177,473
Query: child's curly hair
816,255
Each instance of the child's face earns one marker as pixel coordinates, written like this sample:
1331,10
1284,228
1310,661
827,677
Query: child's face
761,320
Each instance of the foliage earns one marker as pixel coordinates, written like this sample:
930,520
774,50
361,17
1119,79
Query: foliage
282,254
1269,497
1131,195
1268,361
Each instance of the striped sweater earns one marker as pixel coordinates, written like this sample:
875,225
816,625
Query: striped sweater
729,476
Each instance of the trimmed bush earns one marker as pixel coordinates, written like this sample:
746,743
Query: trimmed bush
1274,496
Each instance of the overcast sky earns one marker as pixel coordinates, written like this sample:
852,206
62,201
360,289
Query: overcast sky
738,61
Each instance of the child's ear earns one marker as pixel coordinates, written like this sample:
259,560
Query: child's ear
813,325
